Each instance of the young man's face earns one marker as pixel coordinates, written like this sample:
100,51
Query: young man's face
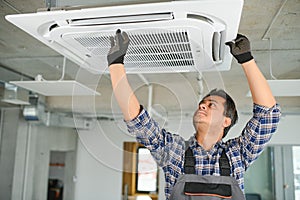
210,114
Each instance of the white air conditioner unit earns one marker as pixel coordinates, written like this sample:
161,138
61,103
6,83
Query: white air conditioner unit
176,36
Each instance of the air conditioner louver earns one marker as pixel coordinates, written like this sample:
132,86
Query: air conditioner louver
121,19
178,36
156,51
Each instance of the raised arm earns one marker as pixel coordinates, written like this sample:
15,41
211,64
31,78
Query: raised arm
122,90
259,87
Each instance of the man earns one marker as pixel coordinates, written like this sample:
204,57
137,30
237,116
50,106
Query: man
205,167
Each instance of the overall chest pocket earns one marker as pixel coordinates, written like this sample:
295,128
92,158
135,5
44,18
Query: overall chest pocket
208,191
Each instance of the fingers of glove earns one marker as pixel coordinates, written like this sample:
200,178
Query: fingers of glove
241,39
237,41
119,38
243,44
112,41
239,36
125,37
236,50
229,44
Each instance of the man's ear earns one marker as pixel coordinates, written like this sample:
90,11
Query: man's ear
227,122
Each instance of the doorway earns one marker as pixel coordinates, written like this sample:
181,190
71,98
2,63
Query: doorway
61,173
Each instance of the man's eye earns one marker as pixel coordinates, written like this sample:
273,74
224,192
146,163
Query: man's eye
211,105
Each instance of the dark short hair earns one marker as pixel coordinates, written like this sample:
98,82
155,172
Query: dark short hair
229,107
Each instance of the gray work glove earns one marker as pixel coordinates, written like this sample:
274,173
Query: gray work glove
240,49
119,46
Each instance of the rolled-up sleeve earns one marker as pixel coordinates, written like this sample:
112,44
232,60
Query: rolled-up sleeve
258,131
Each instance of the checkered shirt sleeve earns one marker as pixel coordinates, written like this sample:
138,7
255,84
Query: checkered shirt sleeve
257,133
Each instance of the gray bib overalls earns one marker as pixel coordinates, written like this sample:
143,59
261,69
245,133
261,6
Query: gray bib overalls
190,186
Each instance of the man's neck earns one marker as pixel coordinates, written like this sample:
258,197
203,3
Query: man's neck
207,140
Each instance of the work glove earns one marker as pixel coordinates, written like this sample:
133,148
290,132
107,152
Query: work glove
119,45
240,49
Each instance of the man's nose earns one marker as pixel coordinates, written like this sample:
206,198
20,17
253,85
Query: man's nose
202,106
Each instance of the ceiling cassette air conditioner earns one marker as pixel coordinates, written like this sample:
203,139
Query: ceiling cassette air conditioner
176,36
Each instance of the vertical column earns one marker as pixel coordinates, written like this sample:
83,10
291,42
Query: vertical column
8,135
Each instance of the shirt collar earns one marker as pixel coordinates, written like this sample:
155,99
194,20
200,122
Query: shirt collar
194,144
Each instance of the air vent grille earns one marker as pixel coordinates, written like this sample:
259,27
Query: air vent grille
159,49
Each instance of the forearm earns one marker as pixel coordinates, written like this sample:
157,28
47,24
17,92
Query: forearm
123,92
259,87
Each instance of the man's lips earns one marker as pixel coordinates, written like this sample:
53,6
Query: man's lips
201,112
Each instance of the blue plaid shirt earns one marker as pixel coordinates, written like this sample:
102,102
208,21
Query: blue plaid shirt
168,149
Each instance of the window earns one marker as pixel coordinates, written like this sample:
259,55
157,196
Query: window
140,172
146,171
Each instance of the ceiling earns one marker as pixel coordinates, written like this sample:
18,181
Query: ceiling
273,28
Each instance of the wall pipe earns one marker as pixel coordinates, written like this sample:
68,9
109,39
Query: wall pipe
150,109
200,84
11,6
26,162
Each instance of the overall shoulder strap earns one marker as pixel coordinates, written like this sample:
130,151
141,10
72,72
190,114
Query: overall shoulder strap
224,164
189,160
